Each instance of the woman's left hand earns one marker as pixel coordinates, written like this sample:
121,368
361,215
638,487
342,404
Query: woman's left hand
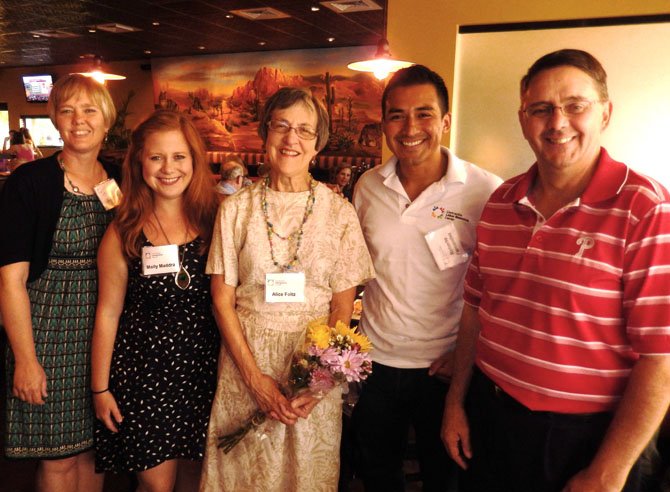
304,403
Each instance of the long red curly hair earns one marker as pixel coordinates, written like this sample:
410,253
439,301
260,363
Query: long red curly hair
200,202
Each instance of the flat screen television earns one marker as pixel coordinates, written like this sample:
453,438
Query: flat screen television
38,87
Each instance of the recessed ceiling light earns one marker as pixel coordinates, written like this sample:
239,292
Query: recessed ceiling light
261,43
92,30
201,47
330,40
229,16
314,8
155,23
147,52
36,35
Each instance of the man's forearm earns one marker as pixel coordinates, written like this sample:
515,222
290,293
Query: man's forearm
464,355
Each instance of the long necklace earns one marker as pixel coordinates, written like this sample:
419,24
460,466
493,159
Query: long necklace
182,277
297,234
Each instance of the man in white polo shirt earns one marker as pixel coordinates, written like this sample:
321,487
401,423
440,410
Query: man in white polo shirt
418,213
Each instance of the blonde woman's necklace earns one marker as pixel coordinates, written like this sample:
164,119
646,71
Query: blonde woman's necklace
182,278
75,188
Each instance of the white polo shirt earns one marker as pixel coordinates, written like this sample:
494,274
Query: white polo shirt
412,309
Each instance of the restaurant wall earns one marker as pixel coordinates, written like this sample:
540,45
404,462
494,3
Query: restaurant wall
426,31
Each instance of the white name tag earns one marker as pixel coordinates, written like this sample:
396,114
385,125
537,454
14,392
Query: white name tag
446,247
285,287
108,193
158,260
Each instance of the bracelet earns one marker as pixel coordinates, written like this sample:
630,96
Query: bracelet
100,392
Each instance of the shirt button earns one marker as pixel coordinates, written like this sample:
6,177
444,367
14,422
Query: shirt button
406,205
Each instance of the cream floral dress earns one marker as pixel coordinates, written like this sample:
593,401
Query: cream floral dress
333,256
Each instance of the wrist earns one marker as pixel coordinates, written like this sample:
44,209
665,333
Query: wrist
99,392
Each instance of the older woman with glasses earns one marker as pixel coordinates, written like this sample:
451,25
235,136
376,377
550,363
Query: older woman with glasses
286,227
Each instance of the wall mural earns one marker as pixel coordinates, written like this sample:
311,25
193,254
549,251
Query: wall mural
225,93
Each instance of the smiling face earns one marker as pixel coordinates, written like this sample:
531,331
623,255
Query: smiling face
167,165
81,124
288,154
559,142
414,124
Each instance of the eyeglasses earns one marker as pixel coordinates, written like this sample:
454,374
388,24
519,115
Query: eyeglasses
543,111
303,132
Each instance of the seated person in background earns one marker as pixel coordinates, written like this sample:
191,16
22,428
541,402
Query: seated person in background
29,141
7,142
341,183
23,152
232,176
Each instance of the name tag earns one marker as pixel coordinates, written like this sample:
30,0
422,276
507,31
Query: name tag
158,260
108,193
445,246
285,287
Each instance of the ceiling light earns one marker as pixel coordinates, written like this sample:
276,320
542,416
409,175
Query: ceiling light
262,43
36,36
92,30
229,16
155,23
382,64
147,52
330,40
314,8
97,72
201,47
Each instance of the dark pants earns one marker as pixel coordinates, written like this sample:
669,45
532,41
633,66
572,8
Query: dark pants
518,450
391,400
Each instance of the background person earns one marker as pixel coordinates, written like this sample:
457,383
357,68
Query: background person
233,172
155,342
29,140
342,181
285,223
22,150
566,317
53,223
411,310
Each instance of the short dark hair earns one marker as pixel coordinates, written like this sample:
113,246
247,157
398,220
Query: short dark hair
417,75
287,97
582,60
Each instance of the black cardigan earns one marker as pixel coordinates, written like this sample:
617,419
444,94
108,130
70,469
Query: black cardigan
29,210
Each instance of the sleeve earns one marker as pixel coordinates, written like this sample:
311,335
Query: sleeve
18,220
353,265
223,256
646,283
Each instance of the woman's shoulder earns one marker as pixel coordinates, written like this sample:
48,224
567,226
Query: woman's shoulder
43,170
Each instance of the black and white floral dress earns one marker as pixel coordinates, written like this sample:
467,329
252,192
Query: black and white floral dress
163,372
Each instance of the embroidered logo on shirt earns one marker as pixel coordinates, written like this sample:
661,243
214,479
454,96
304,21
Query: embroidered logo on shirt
584,243
442,213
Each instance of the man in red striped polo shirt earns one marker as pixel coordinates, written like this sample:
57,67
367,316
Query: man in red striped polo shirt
567,305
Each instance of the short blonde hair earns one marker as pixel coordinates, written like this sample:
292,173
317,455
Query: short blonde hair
75,83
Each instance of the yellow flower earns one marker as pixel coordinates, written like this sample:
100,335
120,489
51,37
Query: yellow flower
343,330
319,335
362,341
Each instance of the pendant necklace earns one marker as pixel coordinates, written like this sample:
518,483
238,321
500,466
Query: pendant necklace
297,234
182,278
75,188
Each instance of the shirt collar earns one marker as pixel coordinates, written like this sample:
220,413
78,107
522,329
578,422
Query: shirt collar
607,181
456,172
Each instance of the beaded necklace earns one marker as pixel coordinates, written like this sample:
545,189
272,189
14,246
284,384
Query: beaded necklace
75,188
295,235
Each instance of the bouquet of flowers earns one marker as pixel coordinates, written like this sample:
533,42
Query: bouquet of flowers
328,356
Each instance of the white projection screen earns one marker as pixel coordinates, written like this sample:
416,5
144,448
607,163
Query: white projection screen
489,65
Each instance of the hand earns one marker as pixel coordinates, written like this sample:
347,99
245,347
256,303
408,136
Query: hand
589,481
30,382
443,367
270,400
107,411
304,403
456,434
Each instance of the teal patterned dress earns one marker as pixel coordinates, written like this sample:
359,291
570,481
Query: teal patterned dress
62,302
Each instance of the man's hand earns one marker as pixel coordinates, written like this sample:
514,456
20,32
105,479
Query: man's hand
456,434
443,367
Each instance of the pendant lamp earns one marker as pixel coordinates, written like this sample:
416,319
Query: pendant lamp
383,62
97,72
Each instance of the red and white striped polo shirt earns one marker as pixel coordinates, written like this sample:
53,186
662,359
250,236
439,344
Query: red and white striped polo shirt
567,305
